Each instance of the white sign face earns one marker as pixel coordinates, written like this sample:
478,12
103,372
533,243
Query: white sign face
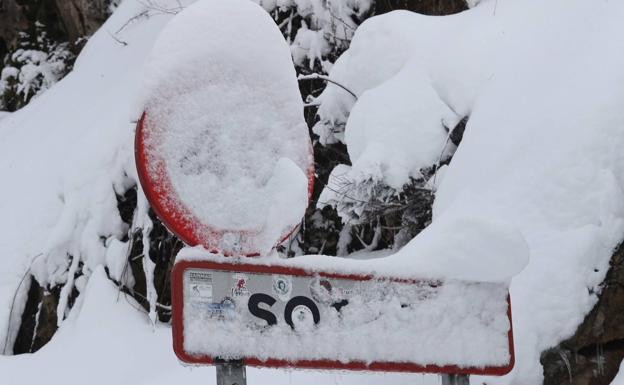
275,318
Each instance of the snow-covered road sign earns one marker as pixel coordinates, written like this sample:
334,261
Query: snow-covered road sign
225,160
243,210
222,149
283,316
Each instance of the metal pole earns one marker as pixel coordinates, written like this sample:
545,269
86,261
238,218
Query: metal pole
455,379
231,372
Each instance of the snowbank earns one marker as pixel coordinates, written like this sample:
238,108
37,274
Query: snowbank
619,379
541,151
446,251
66,154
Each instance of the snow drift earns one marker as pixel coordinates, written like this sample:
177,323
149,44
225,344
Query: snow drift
541,152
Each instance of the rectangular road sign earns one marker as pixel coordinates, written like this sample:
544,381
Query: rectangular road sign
281,316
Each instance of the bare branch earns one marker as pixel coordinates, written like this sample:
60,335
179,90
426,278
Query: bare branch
327,79
124,43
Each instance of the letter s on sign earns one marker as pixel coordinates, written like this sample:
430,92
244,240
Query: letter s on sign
254,308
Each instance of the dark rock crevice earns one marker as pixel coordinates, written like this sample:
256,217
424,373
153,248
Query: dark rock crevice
39,318
64,20
425,7
164,246
592,356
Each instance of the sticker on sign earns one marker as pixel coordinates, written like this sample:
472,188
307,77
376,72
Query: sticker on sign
282,316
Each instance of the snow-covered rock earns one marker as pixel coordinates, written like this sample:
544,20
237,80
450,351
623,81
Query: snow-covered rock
541,151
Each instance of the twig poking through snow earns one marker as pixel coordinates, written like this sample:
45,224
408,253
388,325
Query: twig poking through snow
66,291
327,79
118,40
148,265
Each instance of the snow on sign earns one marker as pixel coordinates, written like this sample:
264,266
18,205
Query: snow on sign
285,316
224,158
222,149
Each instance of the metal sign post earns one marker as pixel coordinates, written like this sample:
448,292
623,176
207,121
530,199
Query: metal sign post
455,379
231,372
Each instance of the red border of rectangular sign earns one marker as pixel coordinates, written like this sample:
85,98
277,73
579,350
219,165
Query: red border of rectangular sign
178,328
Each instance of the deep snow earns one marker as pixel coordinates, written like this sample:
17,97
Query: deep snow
542,151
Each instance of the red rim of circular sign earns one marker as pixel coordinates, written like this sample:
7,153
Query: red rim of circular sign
170,209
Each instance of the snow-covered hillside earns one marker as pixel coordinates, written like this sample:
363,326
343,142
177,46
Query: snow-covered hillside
540,166
542,148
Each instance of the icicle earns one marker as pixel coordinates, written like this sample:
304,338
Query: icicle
66,291
37,317
144,221
344,238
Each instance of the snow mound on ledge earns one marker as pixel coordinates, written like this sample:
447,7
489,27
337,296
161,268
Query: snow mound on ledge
226,117
542,150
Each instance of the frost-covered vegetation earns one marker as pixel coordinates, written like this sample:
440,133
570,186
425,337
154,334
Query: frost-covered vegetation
36,64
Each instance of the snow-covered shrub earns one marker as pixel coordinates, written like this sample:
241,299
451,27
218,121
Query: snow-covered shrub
37,64
369,201
318,30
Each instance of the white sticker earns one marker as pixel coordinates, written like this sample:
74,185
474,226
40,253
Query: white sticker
302,318
282,286
200,286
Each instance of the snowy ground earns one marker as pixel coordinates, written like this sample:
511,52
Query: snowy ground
555,175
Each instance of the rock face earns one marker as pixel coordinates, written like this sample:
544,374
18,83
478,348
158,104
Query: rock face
592,356
12,20
426,7
81,17
55,30
65,20
39,322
